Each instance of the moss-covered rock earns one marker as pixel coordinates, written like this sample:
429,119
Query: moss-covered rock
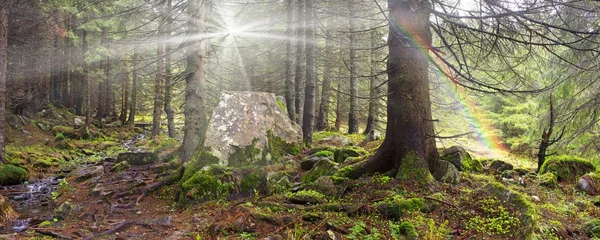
279,147
499,166
567,168
548,179
278,182
446,172
208,184
341,154
323,167
66,209
396,206
525,211
120,166
201,158
10,174
589,183
306,197
251,179
461,159
138,158
66,131
330,186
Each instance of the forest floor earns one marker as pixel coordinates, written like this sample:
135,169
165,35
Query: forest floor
113,205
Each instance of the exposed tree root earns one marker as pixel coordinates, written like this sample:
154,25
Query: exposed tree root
52,234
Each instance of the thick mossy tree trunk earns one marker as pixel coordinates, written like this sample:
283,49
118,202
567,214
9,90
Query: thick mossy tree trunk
309,89
289,83
353,114
195,88
134,87
406,145
3,53
299,47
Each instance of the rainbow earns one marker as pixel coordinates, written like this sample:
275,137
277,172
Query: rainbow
478,121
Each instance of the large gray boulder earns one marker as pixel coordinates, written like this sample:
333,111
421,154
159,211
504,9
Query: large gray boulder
251,128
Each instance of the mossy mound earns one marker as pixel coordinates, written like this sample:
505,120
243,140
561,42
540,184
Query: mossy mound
211,183
567,168
306,197
548,180
10,174
396,206
251,180
517,223
202,158
323,167
342,154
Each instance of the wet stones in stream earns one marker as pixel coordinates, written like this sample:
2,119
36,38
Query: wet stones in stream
32,201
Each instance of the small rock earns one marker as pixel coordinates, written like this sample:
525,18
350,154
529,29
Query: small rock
498,166
373,135
65,209
589,183
138,158
179,234
274,237
78,122
138,212
325,185
323,167
536,198
83,172
446,172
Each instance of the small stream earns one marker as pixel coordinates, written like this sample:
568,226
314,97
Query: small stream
32,200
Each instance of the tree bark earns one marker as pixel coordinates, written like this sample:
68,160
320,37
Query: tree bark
322,122
102,94
408,107
134,87
195,88
299,47
158,89
353,114
309,89
339,113
86,80
169,110
3,59
124,91
373,90
289,84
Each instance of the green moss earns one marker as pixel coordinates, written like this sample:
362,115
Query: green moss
205,186
59,137
281,105
278,147
412,169
322,154
471,165
323,167
408,230
338,180
527,214
241,156
397,206
10,174
278,182
567,168
345,171
66,131
548,179
43,162
322,148
341,154
592,228
201,158
120,166
307,196
253,180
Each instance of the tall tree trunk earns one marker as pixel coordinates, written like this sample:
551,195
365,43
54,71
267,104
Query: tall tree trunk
299,48
195,88
124,91
339,113
102,94
322,122
3,59
353,114
134,87
158,89
169,110
373,90
404,149
289,84
309,89
86,80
